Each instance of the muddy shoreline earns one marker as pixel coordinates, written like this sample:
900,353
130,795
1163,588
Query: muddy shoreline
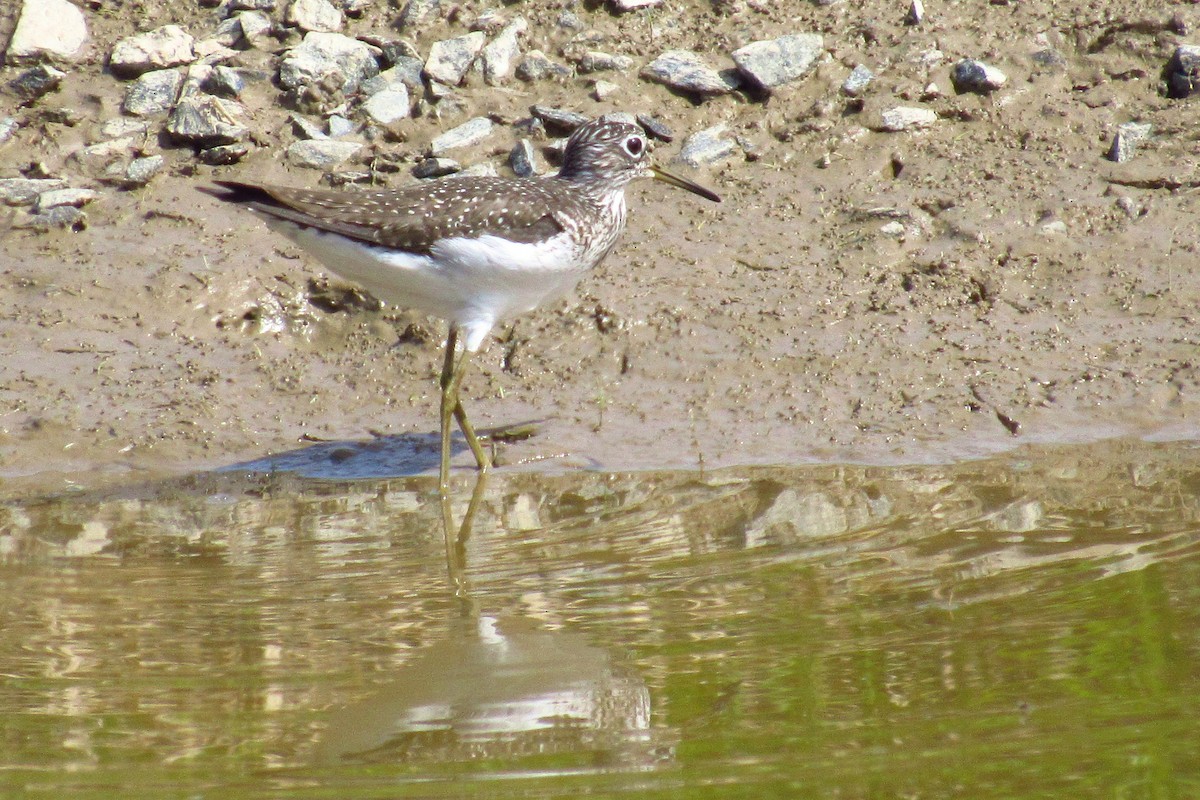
860,296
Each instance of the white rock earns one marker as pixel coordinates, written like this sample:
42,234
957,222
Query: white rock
465,135
686,71
500,53
904,118
25,191
321,153
154,92
388,105
314,15
321,54
163,47
63,197
774,62
450,59
708,147
47,27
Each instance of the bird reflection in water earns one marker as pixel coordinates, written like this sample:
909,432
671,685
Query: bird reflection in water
499,688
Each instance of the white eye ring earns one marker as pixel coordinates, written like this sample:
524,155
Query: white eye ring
635,146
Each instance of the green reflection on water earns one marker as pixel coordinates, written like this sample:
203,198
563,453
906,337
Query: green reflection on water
1020,627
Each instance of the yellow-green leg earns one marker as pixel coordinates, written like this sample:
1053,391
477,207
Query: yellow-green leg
451,380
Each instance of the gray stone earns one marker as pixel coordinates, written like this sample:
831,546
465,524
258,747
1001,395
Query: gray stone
321,153
708,147
568,20
469,133
857,81
969,75
339,125
230,7
793,515
602,90
46,28
631,5
537,66
119,127
225,82
597,61
485,170
153,93
33,83
25,191
256,27
687,72
1125,143
435,168
450,59
314,15
58,217
772,63
522,159
98,159
1049,59
416,12
206,121
655,127
623,117
1183,71
63,197
160,48
903,118
8,128
223,154
389,105
916,13
306,128
406,71
499,54
558,119
348,61
141,170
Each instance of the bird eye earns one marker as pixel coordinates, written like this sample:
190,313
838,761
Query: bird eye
634,146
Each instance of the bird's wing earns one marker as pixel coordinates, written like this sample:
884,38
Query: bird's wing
412,218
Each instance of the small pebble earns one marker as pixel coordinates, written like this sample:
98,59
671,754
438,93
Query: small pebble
857,81
708,147
687,72
141,170
321,153
224,154
450,59
558,119
33,83
1183,71
521,159
970,75
63,197
906,118
469,133
1128,136
655,128
160,48
602,90
435,168
772,63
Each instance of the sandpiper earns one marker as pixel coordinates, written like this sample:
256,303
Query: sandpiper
472,251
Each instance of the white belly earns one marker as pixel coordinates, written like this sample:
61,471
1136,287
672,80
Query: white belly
472,283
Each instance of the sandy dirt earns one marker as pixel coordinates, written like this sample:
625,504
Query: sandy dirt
1031,291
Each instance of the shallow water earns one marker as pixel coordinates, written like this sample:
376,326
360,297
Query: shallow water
1026,626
